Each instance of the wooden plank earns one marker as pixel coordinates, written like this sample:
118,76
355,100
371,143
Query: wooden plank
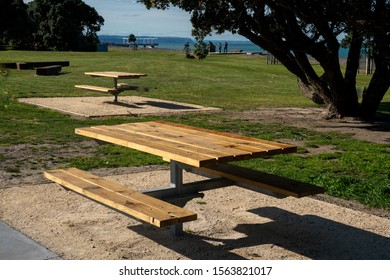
240,146
203,154
30,65
48,70
154,203
47,63
256,147
8,65
114,74
145,144
184,144
247,140
99,89
141,206
210,148
263,180
107,198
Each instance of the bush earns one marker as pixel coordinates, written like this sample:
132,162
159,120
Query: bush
201,51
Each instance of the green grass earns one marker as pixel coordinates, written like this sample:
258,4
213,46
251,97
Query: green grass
352,169
248,82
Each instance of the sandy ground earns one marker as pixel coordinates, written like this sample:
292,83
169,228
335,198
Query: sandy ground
233,223
105,106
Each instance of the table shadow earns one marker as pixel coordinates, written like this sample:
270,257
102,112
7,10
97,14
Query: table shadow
311,236
122,104
166,105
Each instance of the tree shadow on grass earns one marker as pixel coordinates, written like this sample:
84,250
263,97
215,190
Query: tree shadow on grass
311,236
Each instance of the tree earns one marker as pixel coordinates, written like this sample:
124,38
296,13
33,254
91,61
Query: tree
132,41
296,30
200,49
14,24
64,25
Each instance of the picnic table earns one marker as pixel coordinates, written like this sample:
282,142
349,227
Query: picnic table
197,150
117,87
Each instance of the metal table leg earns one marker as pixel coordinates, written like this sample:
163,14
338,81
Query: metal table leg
176,176
176,173
116,87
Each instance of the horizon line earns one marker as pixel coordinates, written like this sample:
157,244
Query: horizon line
171,36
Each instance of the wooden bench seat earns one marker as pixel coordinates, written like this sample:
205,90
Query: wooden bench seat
257,179
123,199
98,89
48,70
31,65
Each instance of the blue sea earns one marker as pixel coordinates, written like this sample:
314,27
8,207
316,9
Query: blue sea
243,46
177,43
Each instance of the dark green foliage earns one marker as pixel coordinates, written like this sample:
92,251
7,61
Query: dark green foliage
14,24
49,25
132,41
200,50
132,38
64,25
187,50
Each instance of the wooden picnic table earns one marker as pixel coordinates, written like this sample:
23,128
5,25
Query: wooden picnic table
197,150
189,145
117,87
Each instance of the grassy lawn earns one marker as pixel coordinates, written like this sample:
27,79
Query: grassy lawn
353,170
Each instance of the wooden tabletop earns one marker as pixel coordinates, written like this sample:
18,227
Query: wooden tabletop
117,75
190,145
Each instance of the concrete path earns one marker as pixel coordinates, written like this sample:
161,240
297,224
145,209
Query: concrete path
16,246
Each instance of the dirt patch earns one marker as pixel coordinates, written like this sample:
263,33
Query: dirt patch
104,106
312,118
25,163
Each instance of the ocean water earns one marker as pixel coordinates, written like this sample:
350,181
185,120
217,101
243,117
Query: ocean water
177,43
246,47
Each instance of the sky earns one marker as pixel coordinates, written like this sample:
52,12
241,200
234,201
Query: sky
124,17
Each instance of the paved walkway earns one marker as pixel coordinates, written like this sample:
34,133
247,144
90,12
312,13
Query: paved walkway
16,246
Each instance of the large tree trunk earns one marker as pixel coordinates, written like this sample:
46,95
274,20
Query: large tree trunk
380,81
310,92
377,88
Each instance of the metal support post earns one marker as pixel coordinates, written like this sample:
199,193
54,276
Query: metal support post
177,183
177,230
115,83
176,176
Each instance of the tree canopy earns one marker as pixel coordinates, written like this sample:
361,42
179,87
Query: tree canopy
295,31
49,25
64,24
15,26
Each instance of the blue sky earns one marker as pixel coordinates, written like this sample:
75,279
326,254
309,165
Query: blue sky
123,17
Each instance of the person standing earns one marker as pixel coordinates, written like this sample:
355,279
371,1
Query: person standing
220,47
225,49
